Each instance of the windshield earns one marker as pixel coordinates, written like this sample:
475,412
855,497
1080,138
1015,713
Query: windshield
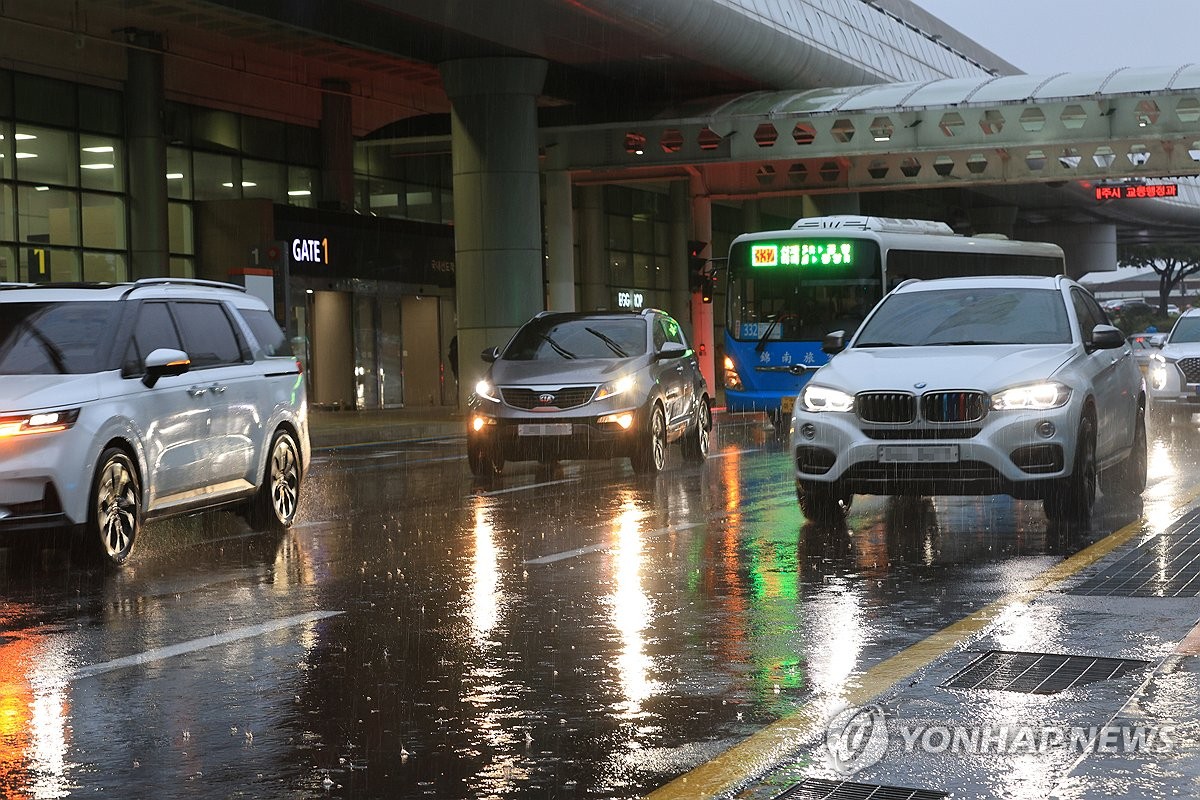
54,338
1187,329
590,337
968,316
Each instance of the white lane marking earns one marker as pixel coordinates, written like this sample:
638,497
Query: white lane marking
183,648
712,457
595,548
524,488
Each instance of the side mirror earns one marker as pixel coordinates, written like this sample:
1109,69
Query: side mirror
165,362
671,350
1106,337
834,342
490,354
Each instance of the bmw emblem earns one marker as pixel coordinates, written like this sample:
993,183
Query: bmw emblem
545,399
920,385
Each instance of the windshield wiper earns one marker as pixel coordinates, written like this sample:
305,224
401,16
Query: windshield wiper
762,340
56,354
558,348
882,344
967,342
616,348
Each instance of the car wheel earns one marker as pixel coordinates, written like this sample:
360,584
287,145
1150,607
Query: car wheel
274,506
1129,477
697,440
484,461
115,512
651,455
1073,497
823,505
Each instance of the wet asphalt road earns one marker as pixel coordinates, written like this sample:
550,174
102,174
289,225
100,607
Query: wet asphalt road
567,631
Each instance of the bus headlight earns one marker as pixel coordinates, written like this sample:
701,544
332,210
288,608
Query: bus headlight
1033,396
823,398
732,379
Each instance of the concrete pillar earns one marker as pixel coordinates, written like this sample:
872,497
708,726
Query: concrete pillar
560,242
751,216
680,231
702,313
497,201
146,155
593,269
1088,248
824,205
337,145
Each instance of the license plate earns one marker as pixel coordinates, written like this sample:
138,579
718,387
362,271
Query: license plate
545,429
918,454
786,404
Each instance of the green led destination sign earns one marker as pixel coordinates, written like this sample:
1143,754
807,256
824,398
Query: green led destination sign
802,254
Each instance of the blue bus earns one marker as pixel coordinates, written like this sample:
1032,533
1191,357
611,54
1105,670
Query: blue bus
788,288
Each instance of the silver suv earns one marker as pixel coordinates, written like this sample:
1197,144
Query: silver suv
1174,371
971,386
590,385
124,402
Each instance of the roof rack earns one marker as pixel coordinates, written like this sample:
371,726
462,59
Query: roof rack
142,282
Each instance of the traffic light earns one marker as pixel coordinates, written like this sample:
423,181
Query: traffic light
708,284
697,263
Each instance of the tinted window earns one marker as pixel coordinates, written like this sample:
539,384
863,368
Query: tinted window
557,339
152,330
268,333
53,338
969,316
1187,329
208,335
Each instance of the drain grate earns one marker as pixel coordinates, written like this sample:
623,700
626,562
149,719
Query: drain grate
1166,566
818,789
1038,673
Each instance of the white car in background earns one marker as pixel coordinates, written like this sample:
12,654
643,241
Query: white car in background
974,386
124,402
1174,373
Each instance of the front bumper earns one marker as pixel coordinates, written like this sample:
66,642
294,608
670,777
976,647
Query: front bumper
37,474
556,436
1020,453
1170,390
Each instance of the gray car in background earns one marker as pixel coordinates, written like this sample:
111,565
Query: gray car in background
590,385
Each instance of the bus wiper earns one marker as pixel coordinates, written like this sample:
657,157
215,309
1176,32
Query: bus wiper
616,348
762,340
558,348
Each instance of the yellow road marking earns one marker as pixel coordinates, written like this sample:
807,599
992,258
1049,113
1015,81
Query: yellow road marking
766,748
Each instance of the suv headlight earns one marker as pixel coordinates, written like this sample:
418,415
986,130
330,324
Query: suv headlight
1034,396
823,398
614,388
1158,371
41,422
487,391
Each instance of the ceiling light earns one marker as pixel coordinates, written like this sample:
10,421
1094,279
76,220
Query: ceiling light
102,149
174,176
299,193
95,166
25,155
20,137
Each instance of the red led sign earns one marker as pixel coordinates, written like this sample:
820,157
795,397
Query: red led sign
1125,192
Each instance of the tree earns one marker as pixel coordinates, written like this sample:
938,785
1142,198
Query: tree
1171,262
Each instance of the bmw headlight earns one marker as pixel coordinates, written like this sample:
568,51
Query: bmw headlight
614,388
823,398
487,391
1032,396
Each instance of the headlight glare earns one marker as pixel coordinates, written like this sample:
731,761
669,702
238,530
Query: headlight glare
487,391
1033,396
613,388
823,398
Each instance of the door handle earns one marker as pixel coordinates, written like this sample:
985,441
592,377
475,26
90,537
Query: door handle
217,389
196,391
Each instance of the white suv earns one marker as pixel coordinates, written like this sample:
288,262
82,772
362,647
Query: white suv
123,402
971,386
1175,370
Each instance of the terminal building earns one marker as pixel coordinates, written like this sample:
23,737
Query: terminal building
391,175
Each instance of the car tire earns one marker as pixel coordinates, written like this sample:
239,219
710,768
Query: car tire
484,461
114,510
1073,497
274,506
651,456
823,505
697,441
1129,477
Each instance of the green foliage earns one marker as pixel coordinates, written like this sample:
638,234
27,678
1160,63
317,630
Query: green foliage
1138,321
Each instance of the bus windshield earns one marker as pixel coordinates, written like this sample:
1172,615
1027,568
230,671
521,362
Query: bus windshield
787,301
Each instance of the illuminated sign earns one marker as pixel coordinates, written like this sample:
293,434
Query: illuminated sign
312,251
630,298
802,254
1129,192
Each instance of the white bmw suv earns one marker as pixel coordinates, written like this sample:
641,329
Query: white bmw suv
124,402
973,386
